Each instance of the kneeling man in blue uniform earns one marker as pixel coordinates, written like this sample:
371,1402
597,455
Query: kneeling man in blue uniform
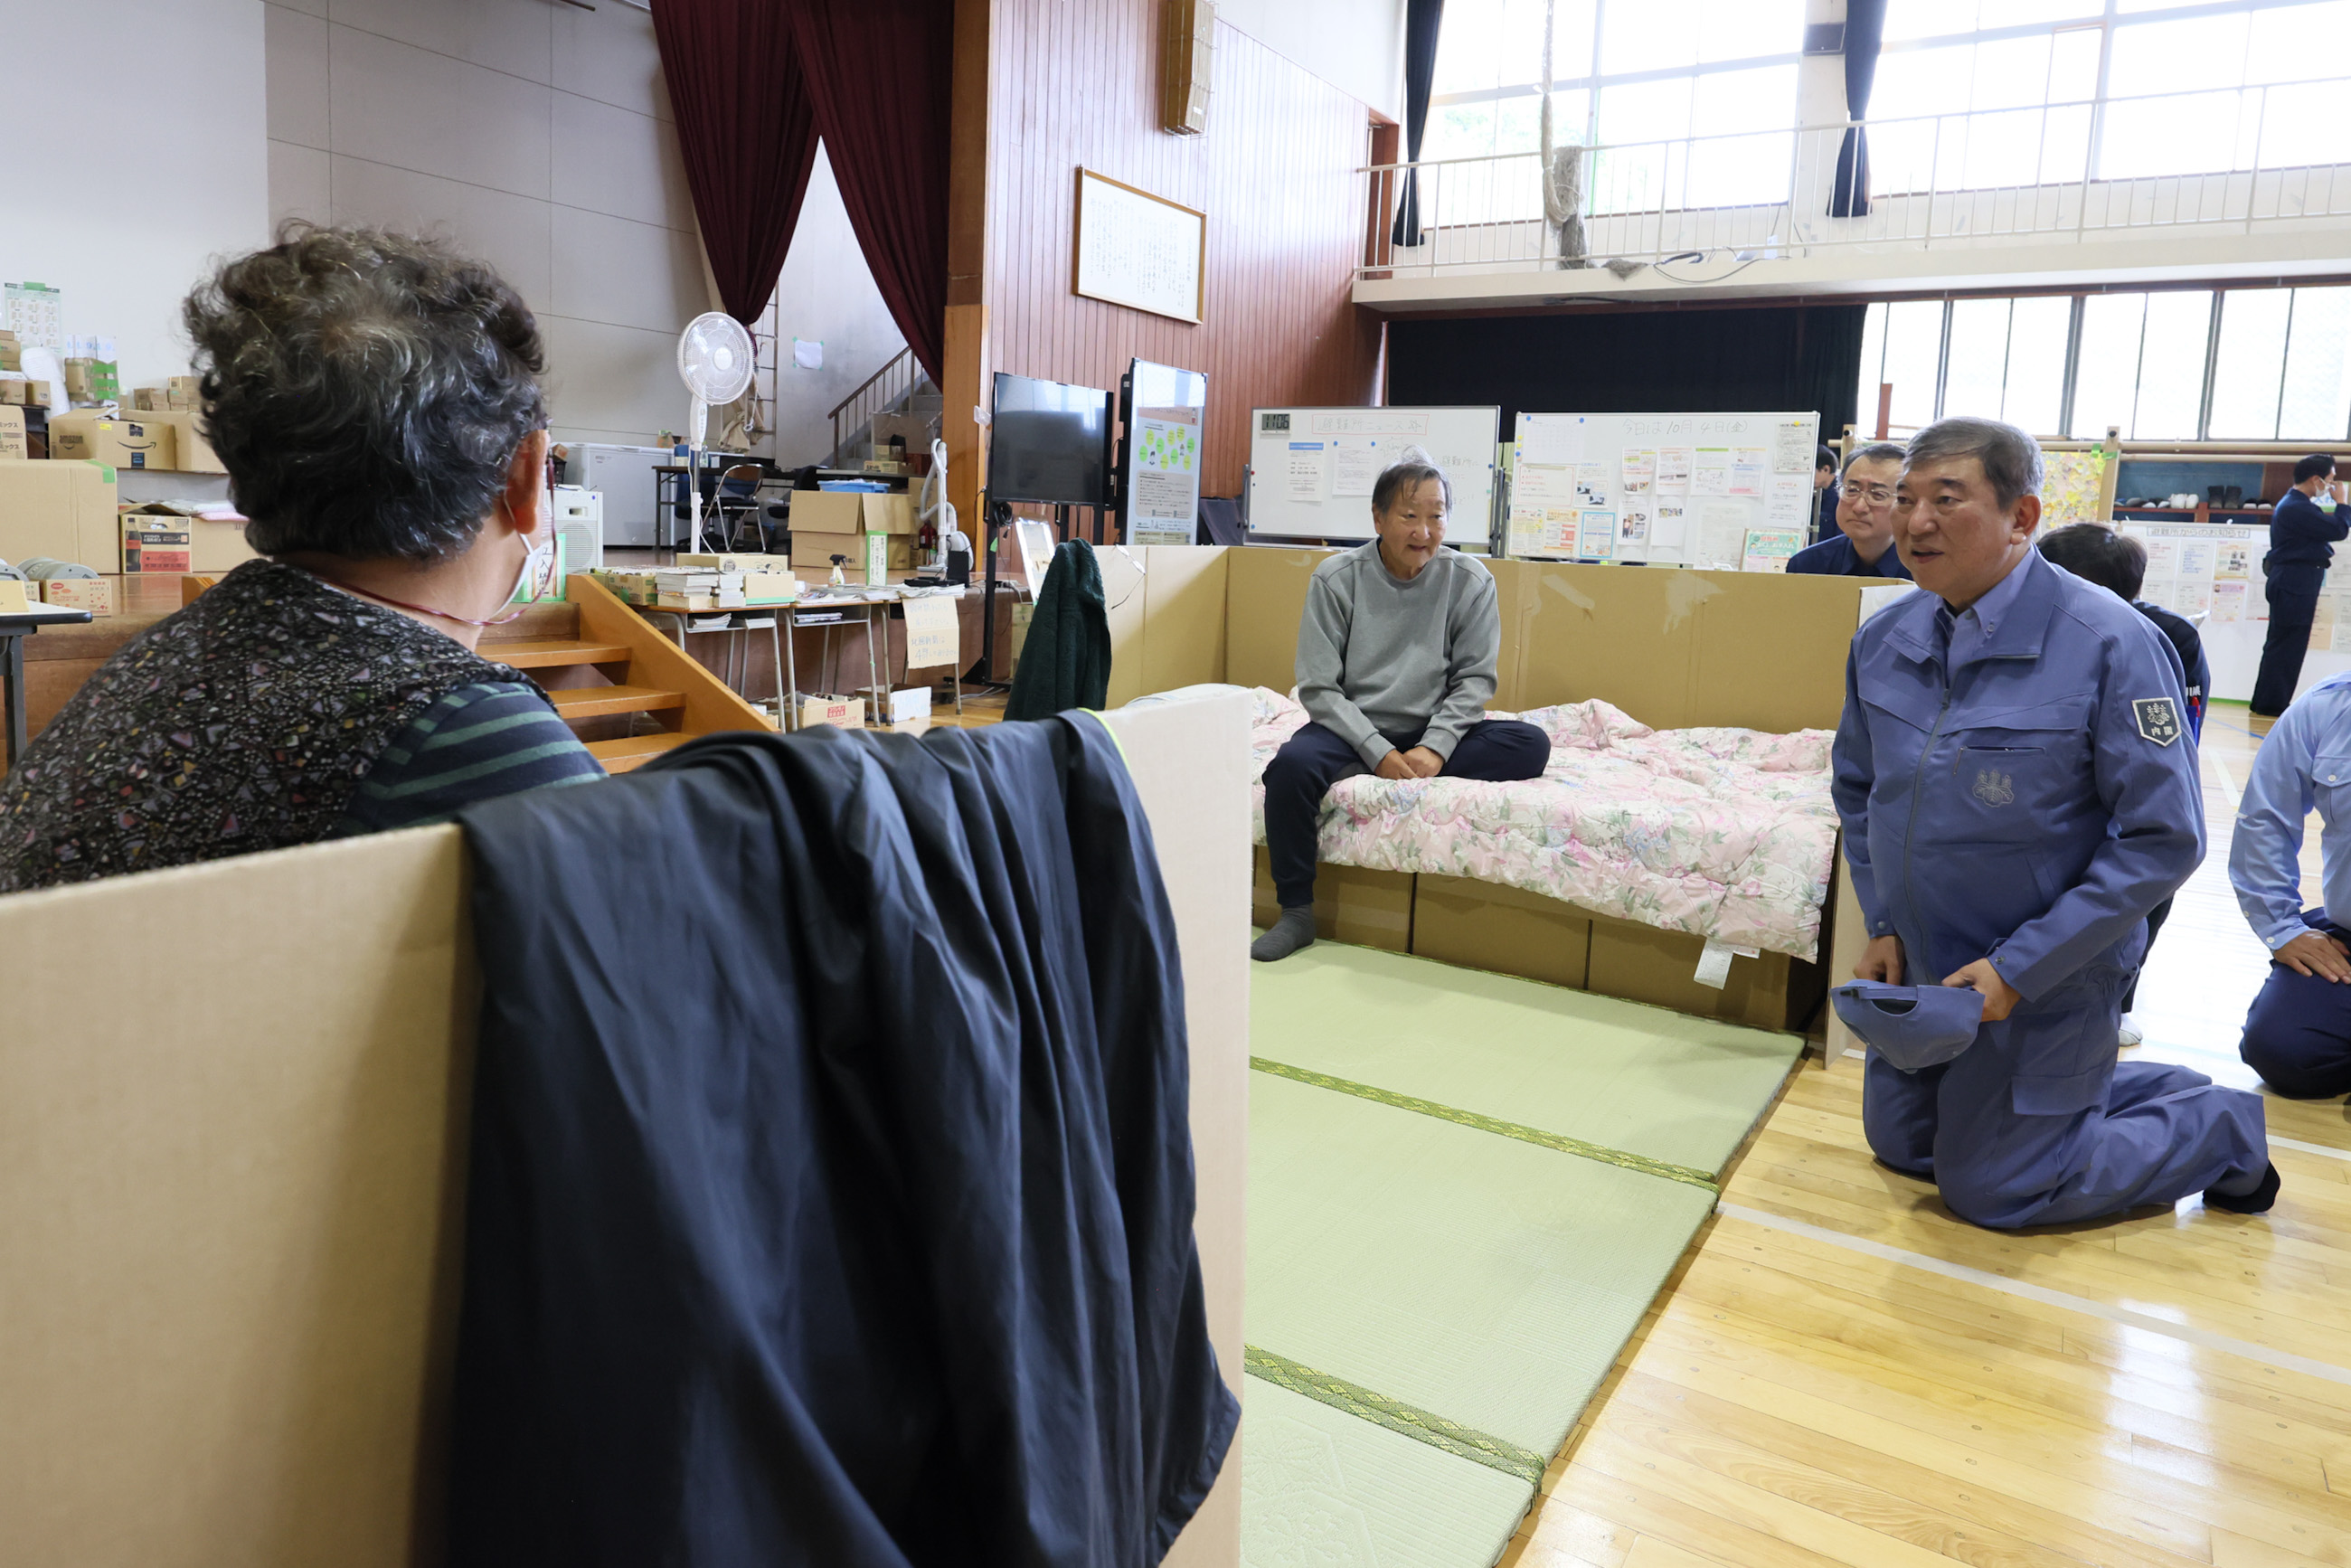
2298,1031
2017,790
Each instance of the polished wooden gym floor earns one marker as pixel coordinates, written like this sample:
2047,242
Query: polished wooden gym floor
1843,1372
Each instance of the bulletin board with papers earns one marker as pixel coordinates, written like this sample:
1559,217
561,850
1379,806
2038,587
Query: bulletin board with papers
1311,469
1732,491
2211,573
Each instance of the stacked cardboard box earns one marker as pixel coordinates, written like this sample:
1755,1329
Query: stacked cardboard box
87,433
828,523
63,510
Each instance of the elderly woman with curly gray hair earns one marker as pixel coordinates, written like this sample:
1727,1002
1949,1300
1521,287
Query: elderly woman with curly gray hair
375,399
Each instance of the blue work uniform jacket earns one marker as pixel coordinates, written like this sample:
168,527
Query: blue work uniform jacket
2303,536
2029,805
1835,557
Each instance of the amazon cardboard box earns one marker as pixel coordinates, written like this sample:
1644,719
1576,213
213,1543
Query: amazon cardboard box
12,352
12,434
190,452
844,713
64,510
813,552
15,393
852,512
89,435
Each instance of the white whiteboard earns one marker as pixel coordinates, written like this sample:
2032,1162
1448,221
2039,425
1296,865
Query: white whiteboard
1722,490
1139,250
1311,469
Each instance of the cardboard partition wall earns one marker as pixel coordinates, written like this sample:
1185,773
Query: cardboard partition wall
1672,647
231,1184
1165,605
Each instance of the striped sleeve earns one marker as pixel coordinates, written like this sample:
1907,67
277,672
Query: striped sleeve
476,743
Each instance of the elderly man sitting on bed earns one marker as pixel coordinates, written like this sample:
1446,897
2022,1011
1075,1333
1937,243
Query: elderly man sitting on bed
1395,665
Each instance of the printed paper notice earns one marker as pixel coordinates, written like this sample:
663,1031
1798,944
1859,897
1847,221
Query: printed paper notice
1550,438
1669,530
1767,550
1308,471
2192,598
1534,484
1784,498
933,629
2162,559
1721,534
1640,470
1164,506
1792,448
1355,464
1746,470
2227,602
1711,476
1633,528
1595,535
1673,468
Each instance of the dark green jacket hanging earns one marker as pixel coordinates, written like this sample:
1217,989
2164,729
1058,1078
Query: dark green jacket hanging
1065,663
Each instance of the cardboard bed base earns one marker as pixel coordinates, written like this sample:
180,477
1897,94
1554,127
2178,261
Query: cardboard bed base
1507,931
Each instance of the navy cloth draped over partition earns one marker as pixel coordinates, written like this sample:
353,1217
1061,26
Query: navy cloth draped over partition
831,1187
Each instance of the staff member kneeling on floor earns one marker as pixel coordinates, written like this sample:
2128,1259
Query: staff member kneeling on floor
2017,792
1395,666
2298,1031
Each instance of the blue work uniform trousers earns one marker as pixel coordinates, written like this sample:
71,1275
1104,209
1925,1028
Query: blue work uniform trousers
2298,1031
2009,1149
2292,596
1497,750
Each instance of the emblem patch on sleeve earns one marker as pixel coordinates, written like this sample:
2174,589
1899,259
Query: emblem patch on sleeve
2158,720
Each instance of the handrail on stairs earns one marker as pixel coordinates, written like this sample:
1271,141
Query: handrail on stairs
899,361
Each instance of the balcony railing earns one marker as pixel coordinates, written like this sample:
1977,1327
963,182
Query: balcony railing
2236,160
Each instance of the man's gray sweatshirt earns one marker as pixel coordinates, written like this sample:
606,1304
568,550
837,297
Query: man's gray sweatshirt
1381,657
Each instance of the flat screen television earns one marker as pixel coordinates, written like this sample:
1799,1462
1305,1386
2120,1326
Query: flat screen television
1049,442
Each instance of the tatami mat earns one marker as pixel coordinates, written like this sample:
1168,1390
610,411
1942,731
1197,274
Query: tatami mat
1321,1488
1484,1279
1465,1192
1644,1080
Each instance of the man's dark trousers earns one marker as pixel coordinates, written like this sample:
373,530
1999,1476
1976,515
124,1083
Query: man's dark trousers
2298,1031
2293,594
1497,750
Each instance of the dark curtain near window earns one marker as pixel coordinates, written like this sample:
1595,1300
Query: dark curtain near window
880,75
1767,359
746,133
1864,27
1423,20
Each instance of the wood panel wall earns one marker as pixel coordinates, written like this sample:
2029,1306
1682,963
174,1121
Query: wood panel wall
1075,82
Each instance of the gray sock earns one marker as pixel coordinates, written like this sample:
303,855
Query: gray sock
1294,930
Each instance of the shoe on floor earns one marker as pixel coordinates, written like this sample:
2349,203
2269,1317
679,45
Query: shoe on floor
2257,1201
1294,930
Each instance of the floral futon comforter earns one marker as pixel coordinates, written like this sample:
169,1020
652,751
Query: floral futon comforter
1728,834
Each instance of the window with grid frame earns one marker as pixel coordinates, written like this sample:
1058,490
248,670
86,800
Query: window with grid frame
1693,101
2233,364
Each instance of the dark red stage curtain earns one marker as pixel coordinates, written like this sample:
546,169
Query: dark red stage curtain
746,127
881,73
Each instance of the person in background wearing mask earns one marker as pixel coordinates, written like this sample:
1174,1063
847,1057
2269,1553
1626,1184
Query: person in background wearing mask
375,399
2117,563
1863,544
1397,656
2017,791
2304,530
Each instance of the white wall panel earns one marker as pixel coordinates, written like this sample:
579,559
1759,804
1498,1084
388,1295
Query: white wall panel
511,233
516,36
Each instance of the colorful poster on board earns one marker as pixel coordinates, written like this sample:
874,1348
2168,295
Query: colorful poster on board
1162,503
